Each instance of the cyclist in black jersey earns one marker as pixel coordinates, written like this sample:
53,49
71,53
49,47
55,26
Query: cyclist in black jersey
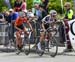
46,22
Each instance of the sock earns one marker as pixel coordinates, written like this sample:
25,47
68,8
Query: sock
39,46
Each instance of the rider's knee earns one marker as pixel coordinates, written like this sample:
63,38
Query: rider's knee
18,36
42,34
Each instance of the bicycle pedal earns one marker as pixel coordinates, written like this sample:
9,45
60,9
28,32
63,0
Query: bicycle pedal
18,53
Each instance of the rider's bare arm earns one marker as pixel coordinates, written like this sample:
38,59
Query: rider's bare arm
30,25
43,26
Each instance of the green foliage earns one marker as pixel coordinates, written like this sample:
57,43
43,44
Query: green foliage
29,4
12,2
56,4
53,4
2,7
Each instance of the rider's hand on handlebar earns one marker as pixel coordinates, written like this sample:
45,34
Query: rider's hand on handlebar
31,30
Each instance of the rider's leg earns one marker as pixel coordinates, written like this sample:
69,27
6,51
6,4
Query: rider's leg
41,41
18,40
42,36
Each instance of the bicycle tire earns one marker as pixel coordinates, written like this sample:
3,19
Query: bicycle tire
53,43
26,50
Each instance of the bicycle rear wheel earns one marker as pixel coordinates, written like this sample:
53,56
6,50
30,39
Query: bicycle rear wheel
53,47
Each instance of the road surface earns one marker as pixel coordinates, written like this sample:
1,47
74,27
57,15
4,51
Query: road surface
33,57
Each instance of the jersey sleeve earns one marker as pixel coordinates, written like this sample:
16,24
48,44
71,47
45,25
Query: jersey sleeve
45,19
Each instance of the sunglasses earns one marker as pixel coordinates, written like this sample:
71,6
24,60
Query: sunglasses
53,15
65,6
10,11
22,17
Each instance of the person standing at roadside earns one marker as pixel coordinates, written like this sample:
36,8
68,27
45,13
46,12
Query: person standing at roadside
69,15
13,15
36,2
17,5
7,2
24,6
44,12
45,4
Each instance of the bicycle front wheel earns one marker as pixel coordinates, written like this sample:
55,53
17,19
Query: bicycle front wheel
26,46
53,47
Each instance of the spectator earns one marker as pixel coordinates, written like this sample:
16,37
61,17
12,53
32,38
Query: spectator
44,13
7,17
69,12
1,18
68,16
9,27
7,2
24,5
45,4
13,15
17,5
36,2
38,12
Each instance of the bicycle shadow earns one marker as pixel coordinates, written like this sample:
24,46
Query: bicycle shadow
67,53
39,57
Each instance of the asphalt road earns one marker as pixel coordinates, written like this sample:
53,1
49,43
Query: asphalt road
33,57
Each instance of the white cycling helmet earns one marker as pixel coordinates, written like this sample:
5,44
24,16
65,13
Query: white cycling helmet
11,10
22,14
53,12
30,14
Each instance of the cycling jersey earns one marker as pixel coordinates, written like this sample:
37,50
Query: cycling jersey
20,21
47,21
21,27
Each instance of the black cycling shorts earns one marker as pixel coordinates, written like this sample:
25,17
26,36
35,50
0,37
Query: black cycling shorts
21,27
46,26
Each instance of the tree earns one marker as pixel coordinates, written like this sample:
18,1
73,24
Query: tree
56,4
53,4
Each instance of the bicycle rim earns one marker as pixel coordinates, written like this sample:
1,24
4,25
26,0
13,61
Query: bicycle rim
27,47
53,47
